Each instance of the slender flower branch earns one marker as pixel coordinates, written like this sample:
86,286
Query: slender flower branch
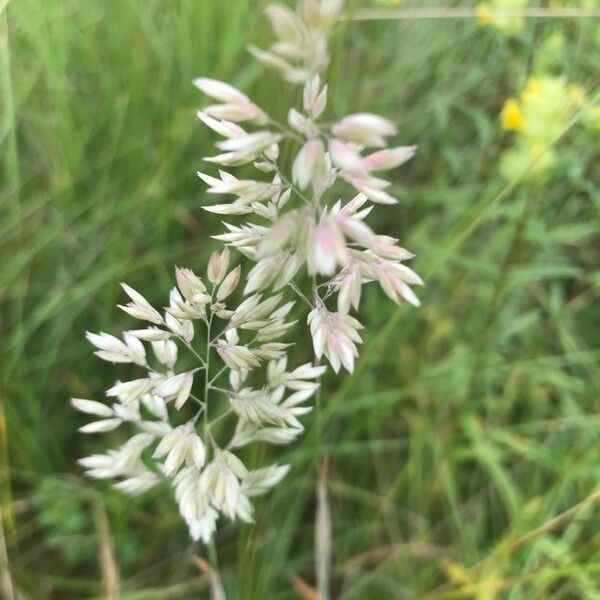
299,292
191,349
218,374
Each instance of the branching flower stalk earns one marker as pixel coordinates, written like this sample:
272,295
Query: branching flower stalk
207,477
303,229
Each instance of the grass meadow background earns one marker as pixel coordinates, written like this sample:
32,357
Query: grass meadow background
464,453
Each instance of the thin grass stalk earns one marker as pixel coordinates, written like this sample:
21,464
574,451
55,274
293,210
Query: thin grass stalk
8,522
217,592
323,535
108,563
11,154
6,583
9,146
6,513
303,589
322,541
389,14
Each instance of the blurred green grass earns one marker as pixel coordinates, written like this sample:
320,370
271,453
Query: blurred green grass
470,423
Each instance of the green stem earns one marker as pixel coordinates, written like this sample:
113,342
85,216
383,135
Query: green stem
206,380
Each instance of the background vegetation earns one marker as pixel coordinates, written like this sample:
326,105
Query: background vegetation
463,453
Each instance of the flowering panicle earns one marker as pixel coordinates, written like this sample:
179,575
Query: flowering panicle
301,230
176,439
180,400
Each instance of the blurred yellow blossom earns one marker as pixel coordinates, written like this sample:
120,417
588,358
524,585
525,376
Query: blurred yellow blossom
537,150
503,15
484,14
511,115
546,107
532,90
538,118
577,94
533,162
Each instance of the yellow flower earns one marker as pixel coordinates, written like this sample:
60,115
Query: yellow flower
502,15
577,94
537,150
512,116
484,14
532,91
